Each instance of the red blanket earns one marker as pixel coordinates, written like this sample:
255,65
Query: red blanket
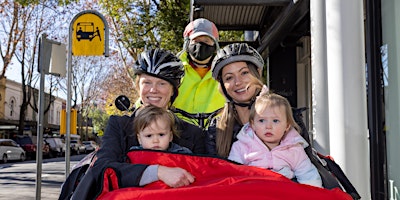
215,179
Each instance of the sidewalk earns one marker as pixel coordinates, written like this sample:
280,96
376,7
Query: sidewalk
18,179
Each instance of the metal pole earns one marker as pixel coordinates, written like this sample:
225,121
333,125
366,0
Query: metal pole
68,110
376,103
39,140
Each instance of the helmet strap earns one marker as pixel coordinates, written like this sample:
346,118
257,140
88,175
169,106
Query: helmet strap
248,105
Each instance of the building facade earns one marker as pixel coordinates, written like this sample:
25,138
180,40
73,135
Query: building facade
10,103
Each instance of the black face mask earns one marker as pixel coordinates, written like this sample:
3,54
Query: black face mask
201,51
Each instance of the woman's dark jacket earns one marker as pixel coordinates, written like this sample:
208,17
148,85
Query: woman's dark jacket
116,142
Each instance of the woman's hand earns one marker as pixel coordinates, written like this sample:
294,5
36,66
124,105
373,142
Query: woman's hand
175,176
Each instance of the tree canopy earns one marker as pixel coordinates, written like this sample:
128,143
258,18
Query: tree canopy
135,25
144,24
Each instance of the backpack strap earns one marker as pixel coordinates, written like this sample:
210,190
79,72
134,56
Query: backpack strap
331,174
328,180
344,181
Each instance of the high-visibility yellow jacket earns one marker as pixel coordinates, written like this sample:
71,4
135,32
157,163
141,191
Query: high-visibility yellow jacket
196,94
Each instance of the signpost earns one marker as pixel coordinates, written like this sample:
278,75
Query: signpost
48,50
88,36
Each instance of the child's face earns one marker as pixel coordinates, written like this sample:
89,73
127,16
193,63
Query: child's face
156,136
270,124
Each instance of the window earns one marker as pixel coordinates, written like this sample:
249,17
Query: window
12,105
58,115
51,114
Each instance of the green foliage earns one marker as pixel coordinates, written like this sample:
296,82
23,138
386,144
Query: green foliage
99,120
144,24
172,18
231,36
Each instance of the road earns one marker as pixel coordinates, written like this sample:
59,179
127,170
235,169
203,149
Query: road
18,179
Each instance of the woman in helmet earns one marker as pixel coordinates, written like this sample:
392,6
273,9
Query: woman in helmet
158,78
237,67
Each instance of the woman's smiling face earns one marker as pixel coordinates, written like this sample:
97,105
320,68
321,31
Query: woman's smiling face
155,91
236,77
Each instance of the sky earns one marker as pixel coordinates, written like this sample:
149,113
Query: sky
14,72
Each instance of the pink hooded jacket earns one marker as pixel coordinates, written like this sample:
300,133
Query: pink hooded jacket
288,159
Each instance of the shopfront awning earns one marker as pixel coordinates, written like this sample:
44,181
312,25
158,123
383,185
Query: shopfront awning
277,21
8,127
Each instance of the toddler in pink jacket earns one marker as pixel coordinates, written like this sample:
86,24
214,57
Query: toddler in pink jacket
270,140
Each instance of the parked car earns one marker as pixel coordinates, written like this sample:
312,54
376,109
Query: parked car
10,150
90,145
77,147
57,147
27,144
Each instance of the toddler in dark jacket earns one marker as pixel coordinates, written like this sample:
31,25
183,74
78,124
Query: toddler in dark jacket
155,128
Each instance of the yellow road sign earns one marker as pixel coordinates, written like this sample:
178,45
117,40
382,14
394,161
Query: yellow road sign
88,35
63,121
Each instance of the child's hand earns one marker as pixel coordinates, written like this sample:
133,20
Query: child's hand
175,176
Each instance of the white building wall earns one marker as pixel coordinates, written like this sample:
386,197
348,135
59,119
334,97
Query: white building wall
12,100
58,104
338,41
54,117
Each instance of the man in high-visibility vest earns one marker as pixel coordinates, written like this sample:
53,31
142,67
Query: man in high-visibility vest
198,92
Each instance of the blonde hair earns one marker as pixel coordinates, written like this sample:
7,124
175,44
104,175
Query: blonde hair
149,114
229,117
271,100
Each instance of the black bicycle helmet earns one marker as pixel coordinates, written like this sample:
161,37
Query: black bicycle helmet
235,52
162,64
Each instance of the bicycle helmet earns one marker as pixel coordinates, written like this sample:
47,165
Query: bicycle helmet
162,64
235,52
